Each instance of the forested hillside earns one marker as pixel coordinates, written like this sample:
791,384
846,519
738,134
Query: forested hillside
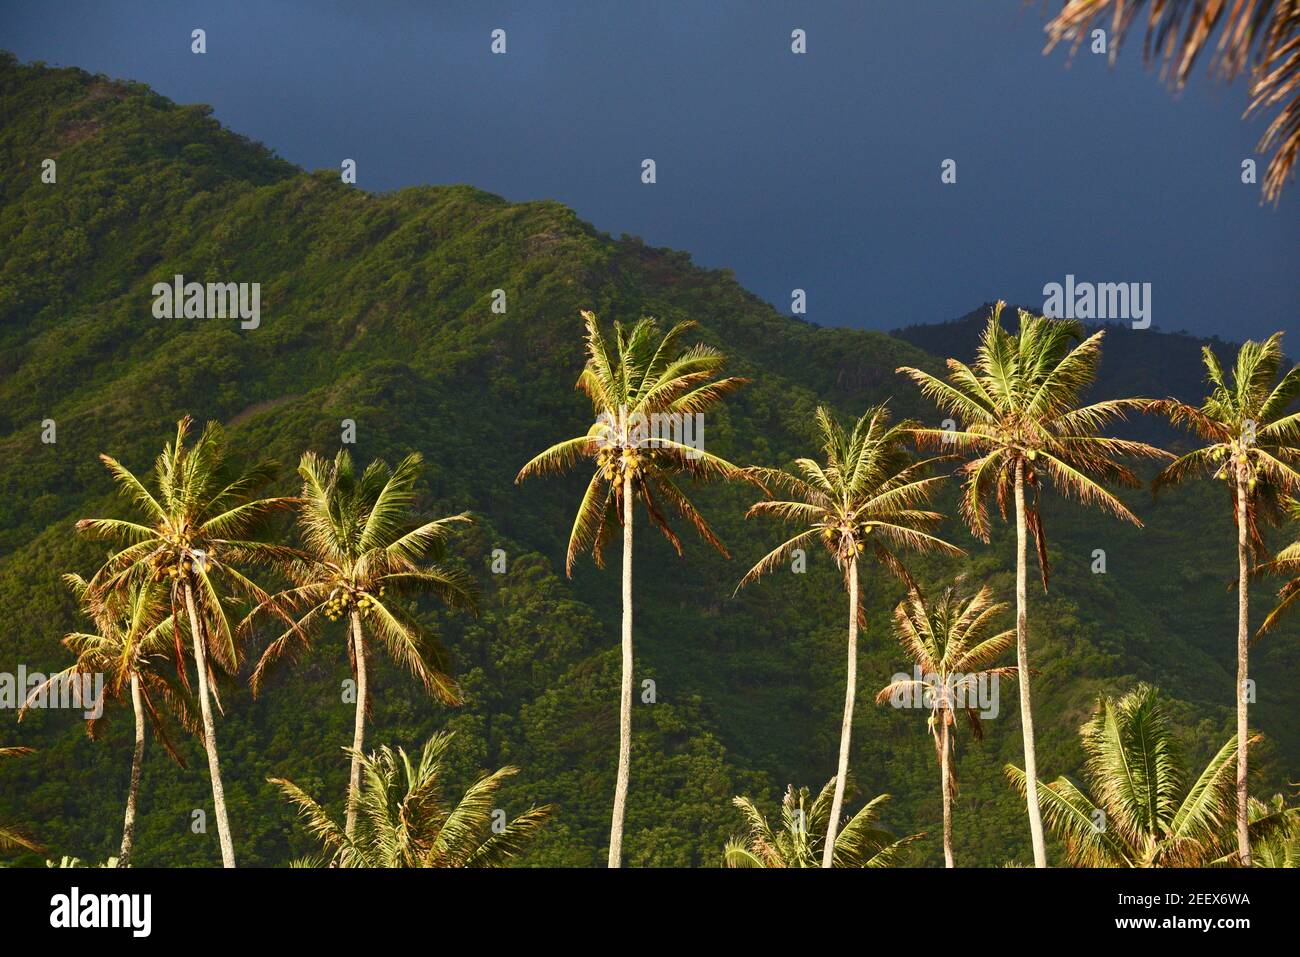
378,309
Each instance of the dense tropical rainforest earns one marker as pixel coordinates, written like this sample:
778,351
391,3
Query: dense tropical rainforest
378,309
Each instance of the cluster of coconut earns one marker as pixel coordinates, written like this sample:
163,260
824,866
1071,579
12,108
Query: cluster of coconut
173,565
850,538
340,602
614,461
1235,460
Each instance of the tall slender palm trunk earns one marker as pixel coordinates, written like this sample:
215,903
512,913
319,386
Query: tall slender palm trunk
625,698
359,724
1243,642
846,725
210,733
1022,666
137,759
945,771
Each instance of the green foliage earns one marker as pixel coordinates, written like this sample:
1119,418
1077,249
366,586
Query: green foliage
377,308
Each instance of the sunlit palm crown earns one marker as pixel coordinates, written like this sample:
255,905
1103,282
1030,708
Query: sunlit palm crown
195,526
403,820
1019,404
134,635
1140,812
360,551
645,375
799,842
953,642
868,493
1247,429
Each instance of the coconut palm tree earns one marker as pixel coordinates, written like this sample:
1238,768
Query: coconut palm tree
1251,443
404,821
10,838
1281,847
1142,810
646,382
951,647
131,647
869,493
358,546
195,533
1260,37
67,861
1018,412
862,842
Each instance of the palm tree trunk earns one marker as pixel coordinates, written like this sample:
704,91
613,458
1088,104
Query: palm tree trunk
359,726
846,726
625,699
1243,641
1022,672
946,775
210,734
128,826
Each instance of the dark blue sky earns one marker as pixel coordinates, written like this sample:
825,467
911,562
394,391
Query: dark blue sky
818,171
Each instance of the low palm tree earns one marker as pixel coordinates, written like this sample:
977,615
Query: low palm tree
404,821
950,645
9,837
193,535
66,861
646,381
1281,848
799,842
868,493
358,545
1018,413
1252,442
131,648
1260,38
1142,810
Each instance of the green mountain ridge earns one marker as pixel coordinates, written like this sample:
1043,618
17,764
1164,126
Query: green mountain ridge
377,308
